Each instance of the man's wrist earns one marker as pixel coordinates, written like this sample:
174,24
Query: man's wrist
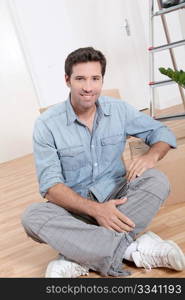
154,155
92,208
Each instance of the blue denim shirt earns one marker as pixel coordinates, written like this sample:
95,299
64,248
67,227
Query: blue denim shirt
67,152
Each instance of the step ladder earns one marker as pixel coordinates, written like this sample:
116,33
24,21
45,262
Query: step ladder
170,45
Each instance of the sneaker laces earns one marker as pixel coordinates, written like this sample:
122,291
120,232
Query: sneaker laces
73,270
154,261
79,270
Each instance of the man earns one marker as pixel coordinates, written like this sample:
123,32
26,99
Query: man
95,210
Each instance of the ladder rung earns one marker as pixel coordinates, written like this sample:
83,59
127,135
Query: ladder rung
160,83
167,10
167,46
170,117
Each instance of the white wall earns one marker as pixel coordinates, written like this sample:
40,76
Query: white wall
182,21
18,104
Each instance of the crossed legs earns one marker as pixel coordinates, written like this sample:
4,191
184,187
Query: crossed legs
94,246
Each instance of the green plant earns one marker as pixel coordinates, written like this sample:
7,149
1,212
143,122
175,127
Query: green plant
177,76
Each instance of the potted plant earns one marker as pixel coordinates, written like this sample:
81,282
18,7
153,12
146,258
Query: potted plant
177,76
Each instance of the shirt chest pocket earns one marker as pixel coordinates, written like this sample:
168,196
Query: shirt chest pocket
112,147
72,158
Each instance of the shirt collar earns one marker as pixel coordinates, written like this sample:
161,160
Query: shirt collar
104,106
101,110
71,116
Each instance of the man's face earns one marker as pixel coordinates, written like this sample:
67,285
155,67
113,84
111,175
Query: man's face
85,84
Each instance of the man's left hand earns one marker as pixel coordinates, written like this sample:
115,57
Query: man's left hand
140,164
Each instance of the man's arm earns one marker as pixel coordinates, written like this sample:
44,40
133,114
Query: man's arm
106,214
65,197
148,160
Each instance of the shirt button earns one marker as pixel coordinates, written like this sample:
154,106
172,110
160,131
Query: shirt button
92,146
95,164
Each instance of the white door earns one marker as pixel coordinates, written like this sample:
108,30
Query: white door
123,39
49,30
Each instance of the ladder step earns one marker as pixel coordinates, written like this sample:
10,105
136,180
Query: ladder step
160,83
167,46
170,117
167,10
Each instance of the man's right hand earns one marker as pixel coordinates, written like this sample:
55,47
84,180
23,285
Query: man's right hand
108,216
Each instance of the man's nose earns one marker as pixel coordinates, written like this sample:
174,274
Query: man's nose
87,86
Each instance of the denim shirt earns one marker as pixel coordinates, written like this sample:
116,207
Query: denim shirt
65,151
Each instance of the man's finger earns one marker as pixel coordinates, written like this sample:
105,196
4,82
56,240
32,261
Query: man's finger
132,174
120,201
133,164
125,219
140,172
116,228
122,226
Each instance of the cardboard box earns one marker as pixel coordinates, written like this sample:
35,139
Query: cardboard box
173,165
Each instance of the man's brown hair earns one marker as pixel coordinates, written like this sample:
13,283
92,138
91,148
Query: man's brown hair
82,55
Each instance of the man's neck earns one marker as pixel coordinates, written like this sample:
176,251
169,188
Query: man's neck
87,117
86,114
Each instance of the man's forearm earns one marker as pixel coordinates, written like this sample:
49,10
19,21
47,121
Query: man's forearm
159,150
106,214
65,197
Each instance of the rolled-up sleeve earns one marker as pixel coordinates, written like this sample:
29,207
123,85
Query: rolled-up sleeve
48,167
141,125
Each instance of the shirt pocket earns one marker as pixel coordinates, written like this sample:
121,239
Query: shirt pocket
112,147
72,158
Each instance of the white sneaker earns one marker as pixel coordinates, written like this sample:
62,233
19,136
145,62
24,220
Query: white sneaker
63,268
153,252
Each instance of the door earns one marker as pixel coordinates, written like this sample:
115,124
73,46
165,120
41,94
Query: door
122,38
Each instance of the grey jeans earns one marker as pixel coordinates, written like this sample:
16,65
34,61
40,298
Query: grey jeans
81,239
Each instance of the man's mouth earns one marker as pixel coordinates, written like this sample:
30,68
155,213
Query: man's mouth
87,96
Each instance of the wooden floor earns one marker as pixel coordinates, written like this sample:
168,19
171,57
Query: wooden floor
21,257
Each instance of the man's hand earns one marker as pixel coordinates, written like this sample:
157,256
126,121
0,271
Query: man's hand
108,216
139,165
148,160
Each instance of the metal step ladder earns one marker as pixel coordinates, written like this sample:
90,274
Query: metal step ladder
170,45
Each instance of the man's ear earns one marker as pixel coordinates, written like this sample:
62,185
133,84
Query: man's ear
67,79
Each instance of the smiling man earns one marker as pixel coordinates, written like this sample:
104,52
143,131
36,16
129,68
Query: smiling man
96,210
85,84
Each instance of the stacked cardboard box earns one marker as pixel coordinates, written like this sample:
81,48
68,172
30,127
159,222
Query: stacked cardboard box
173,165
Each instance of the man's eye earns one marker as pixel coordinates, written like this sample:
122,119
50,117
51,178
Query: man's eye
96,78
79,78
